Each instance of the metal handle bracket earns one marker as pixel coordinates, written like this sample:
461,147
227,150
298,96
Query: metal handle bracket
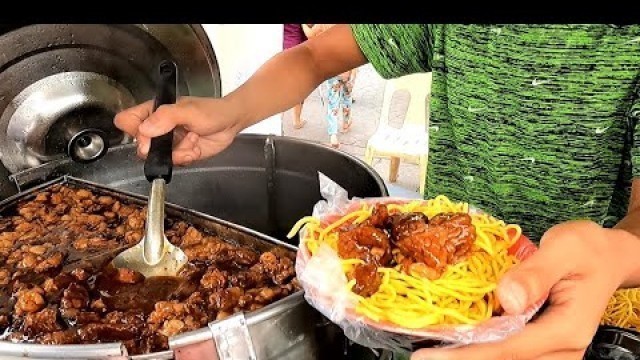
233,339
228,339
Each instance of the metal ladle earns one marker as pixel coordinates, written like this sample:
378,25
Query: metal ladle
154,255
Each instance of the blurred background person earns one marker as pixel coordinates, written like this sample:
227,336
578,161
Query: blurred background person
338,93
294,35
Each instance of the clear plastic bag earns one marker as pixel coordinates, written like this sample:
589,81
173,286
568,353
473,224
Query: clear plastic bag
325,286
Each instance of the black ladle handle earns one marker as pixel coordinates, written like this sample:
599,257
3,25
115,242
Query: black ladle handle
159,163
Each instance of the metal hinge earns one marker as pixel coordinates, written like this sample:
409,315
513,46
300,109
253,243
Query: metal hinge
233,339
227,339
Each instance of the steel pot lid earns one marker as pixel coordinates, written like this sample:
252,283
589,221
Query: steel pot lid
58,80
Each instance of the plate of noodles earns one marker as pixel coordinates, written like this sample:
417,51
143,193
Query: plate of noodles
393,272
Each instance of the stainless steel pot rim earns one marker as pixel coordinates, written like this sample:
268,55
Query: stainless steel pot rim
117,350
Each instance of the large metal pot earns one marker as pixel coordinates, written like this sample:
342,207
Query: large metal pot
285,329
264,183
261,182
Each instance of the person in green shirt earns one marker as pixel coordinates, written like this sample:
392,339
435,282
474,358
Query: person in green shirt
536,124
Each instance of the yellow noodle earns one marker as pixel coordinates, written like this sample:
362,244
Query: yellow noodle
340,222
623,309
464,294
300,223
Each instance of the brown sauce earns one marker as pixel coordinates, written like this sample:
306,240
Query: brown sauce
139,296
57,285
406,240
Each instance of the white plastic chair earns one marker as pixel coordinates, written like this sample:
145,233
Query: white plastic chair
409,143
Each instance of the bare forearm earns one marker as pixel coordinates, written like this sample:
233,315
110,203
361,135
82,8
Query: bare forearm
283,81
289,77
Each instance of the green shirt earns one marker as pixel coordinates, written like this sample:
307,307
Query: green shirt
533,123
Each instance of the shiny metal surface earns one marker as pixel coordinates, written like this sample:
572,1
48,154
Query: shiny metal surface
35,351
63,101
232,338
153,248
87,145
190,47
154,255
287,329
56,77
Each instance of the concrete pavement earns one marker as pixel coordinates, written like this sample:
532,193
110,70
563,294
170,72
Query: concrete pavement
368,92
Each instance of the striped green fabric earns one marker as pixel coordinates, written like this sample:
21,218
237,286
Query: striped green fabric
532,123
